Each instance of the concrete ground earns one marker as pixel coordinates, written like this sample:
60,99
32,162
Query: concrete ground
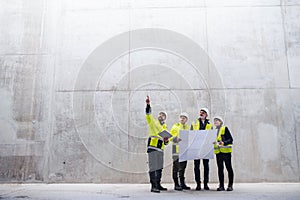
141,191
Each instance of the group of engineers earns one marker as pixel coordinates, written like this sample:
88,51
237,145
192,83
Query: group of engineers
156,144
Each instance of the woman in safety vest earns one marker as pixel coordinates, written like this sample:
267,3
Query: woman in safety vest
223,149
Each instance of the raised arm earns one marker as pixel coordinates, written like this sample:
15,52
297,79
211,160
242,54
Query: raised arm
148,107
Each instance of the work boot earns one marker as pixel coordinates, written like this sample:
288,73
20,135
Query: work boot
161,187
206,186
158,178
183,185
154,188
220,188
229,188
198,188
154,185
177,186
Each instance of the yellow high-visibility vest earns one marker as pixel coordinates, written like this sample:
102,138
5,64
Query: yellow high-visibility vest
175,135
222,149
155,141
196,126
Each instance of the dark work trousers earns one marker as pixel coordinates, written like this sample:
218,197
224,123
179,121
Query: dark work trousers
197,170
221,158
178,168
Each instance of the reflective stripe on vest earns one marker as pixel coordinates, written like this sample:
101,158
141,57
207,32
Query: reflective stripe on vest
155,143
196,126
222,149
175,146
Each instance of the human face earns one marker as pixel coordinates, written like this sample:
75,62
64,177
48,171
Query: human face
161,117
203,114
217,122
183,120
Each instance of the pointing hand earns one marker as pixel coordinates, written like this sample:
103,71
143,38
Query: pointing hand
147,100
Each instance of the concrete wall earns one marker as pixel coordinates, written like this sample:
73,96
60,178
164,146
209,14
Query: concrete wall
74,75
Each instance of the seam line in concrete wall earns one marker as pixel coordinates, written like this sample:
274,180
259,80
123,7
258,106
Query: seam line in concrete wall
297,154
25,54
182,7
174,89
43,23
282,9
129,79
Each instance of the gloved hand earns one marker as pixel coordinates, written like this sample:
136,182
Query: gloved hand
147,100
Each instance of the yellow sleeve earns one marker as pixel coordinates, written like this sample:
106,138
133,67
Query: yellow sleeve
174,130
149,118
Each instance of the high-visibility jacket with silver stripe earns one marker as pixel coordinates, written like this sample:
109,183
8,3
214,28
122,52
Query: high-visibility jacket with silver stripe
175,135
222,149
155,141
196,125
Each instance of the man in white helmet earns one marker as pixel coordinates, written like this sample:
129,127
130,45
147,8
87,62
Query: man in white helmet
179,167
155,146
202,123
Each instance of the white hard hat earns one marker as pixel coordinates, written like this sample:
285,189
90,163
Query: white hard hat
164,113
205,110
219,118
184,114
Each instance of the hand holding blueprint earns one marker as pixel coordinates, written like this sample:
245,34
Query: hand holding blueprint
197,144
